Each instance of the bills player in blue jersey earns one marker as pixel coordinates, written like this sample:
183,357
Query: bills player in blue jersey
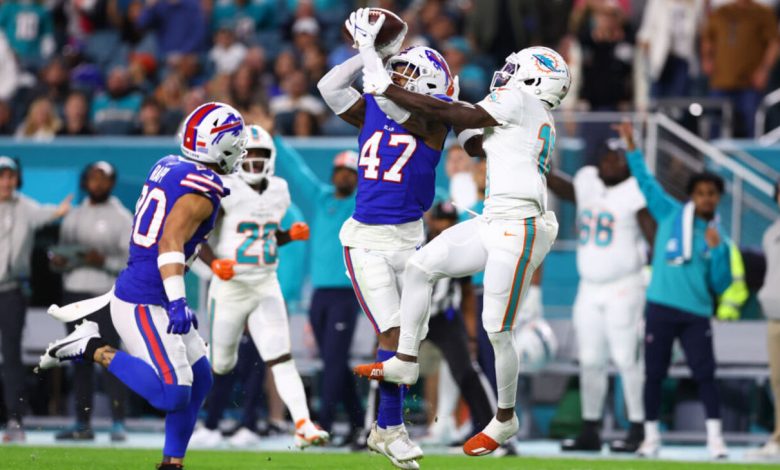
396,183
166,359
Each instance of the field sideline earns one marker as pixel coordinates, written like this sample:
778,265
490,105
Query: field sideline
67,458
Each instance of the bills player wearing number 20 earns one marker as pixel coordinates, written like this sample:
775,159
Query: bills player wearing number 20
166,359
399,153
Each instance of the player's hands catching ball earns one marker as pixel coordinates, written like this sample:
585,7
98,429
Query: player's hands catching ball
180,317
362,30
223,268
299,231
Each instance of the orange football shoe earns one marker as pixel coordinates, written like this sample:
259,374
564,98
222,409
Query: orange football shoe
373,371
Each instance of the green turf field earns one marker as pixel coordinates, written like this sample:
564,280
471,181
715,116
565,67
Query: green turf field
58,458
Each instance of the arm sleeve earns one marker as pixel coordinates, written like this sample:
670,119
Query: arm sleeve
336,86
299,176
720,268
659,203
504,105
396,113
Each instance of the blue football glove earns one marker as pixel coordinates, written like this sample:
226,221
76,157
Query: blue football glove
180,317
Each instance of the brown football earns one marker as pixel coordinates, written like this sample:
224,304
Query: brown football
390,30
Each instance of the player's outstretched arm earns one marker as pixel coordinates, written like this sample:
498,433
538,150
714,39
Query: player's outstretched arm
561,184
458,114
299,231
182,222
337,91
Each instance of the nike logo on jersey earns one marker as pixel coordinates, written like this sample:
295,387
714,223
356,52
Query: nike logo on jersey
209,176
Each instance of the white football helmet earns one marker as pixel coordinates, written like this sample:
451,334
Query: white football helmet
425,71
214,133
536,345
540,71
254,169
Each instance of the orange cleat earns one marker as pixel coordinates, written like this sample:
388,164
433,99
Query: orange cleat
373,371
479,445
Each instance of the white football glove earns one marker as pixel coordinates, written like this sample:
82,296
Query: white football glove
375,79
362,31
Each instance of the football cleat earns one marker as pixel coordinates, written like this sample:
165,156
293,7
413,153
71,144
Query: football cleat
14,432
169,466
588,440
769,451
244,438
377,442
636,434
307,434
205,437
71,347
76,433
650,448
716,446
392,370
492,437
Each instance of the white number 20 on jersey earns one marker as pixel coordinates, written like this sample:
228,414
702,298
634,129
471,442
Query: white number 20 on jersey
370,160
157,196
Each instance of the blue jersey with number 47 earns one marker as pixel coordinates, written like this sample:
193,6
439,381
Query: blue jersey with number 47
397,174
170,179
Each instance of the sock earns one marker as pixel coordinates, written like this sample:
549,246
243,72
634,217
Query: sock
93,345
290,387
714,430
141,378
180,424
651,431
218,399
391,398
507,367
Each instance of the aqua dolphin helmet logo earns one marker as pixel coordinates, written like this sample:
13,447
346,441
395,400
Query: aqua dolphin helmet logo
546,63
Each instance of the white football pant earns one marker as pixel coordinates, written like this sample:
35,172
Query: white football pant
608,322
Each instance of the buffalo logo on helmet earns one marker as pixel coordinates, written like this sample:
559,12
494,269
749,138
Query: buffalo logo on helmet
233,125
440,64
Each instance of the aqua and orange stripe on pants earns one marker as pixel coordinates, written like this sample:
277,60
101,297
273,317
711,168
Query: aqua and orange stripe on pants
521,271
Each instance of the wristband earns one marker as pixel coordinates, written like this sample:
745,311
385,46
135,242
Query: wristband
467,134
174,287
171,257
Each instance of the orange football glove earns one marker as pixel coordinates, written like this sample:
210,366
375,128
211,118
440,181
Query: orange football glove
223,268
299,231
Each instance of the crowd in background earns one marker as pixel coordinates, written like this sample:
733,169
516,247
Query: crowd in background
135,67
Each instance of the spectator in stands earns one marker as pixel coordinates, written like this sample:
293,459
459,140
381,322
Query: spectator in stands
142,68
769,297
29,29
296,98
93,248
691,267
20,217
227,53
473,79
54,82
114,111
284,66
668,38
9,70
739,47
244,89
41,122
6,119
305,34
334,308
305,124
179,26
76,112
460,171
170,94
501,28
150,119
315,64
247,16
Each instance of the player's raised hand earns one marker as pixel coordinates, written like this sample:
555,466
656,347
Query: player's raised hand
180,317
299,231
626,131
223,268
361,29
64,207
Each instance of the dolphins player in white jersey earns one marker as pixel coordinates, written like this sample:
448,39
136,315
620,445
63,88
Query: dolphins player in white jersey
608,310
245,292
514,234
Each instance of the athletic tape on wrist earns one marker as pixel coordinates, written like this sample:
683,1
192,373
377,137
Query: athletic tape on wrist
174,287
465,135
171,257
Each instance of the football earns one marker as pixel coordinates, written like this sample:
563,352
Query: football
393,26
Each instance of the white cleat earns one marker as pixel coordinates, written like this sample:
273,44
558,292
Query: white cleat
244,438
309,434
204,437
387,442
490,439
649,449
71,347
769,451
716,446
